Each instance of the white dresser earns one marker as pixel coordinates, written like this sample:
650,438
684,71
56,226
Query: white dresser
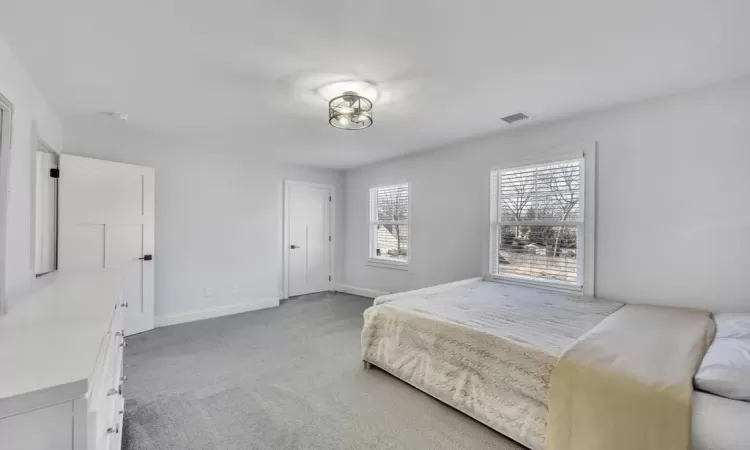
61,360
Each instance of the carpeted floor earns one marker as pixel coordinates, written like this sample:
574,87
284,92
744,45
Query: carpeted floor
283,378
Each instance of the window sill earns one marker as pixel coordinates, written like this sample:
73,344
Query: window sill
386,264
548,286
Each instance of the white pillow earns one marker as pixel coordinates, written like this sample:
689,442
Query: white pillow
725,369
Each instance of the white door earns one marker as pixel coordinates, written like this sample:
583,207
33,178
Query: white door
106,220
309,239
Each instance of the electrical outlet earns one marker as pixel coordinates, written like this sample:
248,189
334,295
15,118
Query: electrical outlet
209,291
235,288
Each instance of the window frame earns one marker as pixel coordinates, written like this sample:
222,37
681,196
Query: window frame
585,247
379,261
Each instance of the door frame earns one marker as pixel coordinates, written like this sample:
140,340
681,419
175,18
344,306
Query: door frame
6,143
41,147
285,234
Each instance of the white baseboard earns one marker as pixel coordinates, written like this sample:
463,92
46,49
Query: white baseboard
209,313
364,292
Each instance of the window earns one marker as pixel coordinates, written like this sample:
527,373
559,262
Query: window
538,226
389,225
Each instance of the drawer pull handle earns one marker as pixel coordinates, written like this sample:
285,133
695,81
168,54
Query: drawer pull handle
113,430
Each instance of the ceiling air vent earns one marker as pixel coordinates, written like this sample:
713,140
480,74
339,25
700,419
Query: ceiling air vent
515,117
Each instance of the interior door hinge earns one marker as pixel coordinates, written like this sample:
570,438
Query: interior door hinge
329,198
54,173
329,278
329,238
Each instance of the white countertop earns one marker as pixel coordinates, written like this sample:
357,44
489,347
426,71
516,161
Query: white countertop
50,339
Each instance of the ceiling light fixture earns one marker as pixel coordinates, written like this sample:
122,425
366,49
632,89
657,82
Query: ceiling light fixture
350,111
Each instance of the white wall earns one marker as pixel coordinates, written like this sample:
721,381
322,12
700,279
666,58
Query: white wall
218,213
31,112
673,201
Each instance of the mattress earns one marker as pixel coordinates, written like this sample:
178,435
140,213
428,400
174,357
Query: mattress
720,423
485,348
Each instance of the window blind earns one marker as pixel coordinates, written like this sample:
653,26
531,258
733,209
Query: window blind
537,223
389,223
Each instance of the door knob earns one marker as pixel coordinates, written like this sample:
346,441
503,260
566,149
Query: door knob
146,257
294,246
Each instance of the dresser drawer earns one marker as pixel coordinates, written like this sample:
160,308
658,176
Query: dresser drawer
115,442
105,399
107,423
102,425
109,365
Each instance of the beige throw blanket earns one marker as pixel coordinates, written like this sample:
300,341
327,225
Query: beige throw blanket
628,383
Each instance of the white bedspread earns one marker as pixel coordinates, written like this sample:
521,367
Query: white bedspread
487,349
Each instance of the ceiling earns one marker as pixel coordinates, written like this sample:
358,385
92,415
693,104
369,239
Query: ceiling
241,73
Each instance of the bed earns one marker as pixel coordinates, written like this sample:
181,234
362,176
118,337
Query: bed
488,349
